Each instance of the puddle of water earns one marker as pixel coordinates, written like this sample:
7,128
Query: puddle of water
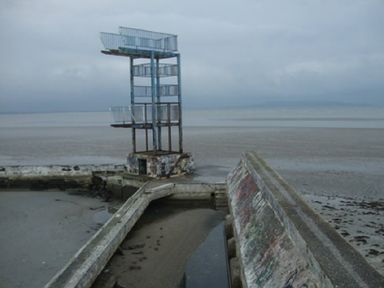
102,216
207,267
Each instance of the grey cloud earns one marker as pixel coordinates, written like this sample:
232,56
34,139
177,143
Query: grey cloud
233,52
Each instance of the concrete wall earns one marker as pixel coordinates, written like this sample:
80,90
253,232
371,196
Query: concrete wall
58,170
54,176
281,242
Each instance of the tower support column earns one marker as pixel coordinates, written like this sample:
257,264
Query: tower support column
132,83
180,106
154,110
158,101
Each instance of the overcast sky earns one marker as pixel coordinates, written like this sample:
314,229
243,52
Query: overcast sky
233,52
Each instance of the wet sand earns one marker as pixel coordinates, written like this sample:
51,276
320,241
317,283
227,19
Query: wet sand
322,161
359,222
40,231
157,249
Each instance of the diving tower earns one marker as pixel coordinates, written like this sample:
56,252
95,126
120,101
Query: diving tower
155,98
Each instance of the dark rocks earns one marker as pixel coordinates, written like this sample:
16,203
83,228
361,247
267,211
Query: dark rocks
375,205
133,247
374,252
361,239
329,207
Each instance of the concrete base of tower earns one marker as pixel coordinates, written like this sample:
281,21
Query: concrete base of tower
160,164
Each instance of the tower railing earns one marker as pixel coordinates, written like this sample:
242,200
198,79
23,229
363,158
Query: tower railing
165,90
163,41
164,70
139,39
167,112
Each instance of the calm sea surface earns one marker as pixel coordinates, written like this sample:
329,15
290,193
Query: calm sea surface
80,138
350,117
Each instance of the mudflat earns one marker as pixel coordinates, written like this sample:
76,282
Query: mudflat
41,231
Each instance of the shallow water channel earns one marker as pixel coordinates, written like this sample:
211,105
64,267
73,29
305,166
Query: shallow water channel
207,267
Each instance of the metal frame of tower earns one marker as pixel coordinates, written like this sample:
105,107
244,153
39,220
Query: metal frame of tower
152,113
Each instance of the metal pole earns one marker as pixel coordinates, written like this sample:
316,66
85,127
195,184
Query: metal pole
154,122
158,101
132,76
145,123
180,106
169,127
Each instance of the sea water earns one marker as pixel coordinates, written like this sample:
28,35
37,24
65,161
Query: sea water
87,138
